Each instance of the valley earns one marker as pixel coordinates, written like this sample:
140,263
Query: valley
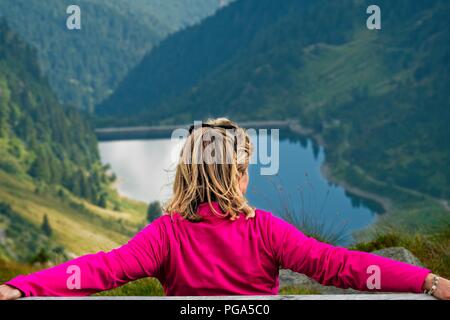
85,117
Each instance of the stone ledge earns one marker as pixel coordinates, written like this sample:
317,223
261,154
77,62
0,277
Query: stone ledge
402,296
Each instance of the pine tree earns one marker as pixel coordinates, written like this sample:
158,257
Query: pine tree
45,227
40,168
153,211
103,200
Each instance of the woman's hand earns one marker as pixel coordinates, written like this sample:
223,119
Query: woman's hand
9,293
443,288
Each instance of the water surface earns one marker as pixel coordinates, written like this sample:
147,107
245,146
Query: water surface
145,169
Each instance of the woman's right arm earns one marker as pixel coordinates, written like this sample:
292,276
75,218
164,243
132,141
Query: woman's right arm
141,257
340,267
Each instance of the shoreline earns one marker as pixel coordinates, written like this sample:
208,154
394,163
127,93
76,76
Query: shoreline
154,132
385,203
326,170
164,131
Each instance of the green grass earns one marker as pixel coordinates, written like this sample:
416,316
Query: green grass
142,287
82,228
293,290
429,243
79,226
10,269
325,75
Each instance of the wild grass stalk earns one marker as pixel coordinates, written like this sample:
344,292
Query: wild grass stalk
305,211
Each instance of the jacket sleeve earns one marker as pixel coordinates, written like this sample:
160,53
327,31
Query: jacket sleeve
340,267
141,257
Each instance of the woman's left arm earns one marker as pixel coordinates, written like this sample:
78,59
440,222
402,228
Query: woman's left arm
442,290
344,268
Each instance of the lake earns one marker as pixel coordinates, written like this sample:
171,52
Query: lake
145,169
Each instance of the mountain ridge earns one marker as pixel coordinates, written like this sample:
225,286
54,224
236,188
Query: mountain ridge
362,90
50,170
84,66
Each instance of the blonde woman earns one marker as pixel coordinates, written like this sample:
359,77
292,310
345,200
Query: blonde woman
211,241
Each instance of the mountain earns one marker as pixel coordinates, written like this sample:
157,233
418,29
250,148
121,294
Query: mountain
174,14
183,59
84,66
38,136
50,171
378,98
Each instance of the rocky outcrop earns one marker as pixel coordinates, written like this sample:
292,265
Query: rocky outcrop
399,254
293,279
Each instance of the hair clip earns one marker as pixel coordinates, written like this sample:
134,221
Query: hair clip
206,125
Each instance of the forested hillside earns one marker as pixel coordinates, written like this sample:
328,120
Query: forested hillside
378,98
56,198
173,14
38,136
84,66
179,62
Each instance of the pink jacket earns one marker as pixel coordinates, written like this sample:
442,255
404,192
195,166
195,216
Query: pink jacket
220,257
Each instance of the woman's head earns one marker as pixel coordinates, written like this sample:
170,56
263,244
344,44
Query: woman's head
213,167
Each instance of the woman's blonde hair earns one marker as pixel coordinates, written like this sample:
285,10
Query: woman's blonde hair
200,179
